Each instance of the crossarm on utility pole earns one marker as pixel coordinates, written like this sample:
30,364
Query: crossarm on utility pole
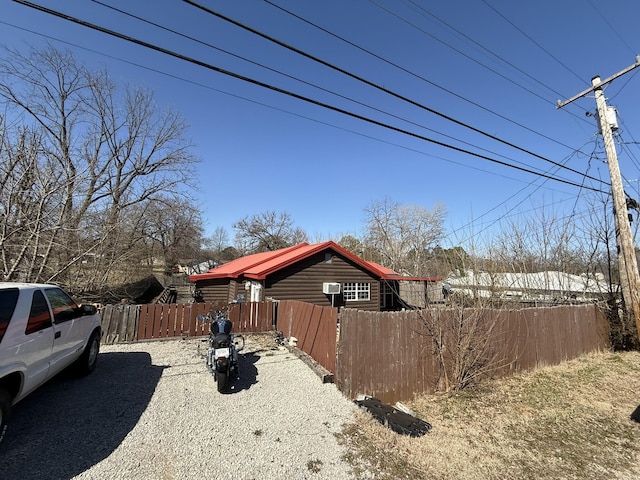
604,82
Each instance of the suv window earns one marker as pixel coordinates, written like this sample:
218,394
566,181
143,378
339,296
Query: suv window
64,308
8,301
39,316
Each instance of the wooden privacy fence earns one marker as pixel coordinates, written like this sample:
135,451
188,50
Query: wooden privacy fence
129,323
391,356
313,326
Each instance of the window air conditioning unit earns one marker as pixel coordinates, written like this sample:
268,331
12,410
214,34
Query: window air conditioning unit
331,288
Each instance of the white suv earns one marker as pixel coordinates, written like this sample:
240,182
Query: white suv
42,331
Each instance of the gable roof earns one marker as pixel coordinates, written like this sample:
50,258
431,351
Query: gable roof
259,265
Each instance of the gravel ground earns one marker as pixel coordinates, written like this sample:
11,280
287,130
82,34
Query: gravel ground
151,411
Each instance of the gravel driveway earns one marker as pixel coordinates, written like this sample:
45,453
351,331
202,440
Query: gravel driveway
151,411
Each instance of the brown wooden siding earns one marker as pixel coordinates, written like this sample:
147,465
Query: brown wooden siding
215,290
303,282
234,289
220,290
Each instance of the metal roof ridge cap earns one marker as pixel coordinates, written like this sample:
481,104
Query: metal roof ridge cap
272,254
285,262
276,254
315,248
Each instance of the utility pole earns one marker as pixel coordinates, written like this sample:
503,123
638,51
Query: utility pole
628,265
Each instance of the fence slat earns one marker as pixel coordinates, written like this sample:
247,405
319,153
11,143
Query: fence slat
117,319
130,318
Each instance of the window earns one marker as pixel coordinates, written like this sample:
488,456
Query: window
39,316
386,295
8,301
64,308
356,292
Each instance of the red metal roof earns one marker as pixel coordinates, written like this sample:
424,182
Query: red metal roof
237,267
259,265
386,271
259,272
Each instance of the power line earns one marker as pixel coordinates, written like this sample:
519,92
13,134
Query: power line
473,59
420,77
280,90
532,40
208,87
495,55
460,52
613,29
372,84
512,208
123,12
488,225
630,77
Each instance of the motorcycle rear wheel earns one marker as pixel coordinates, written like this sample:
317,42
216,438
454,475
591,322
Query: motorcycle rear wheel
223,381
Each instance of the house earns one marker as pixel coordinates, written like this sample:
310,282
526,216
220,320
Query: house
323,274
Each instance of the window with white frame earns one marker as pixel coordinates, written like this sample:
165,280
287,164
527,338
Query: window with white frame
356,292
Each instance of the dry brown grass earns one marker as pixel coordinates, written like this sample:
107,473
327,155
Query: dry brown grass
569,421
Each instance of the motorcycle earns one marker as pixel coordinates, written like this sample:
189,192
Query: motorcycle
222,354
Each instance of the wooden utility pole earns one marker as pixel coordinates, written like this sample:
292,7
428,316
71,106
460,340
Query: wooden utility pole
628,264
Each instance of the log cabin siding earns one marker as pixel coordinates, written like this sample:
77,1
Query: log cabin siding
235,287
303,281
216,290
219,290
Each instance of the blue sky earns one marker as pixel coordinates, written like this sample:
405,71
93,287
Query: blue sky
496,66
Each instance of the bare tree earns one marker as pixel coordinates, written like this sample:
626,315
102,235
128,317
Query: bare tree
553,246
174,229
599,247
31,196
108,152
404,235
217,241
267,231
217,247
468,343
443,261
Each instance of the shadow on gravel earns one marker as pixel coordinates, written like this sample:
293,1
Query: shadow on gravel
71,423
247,371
